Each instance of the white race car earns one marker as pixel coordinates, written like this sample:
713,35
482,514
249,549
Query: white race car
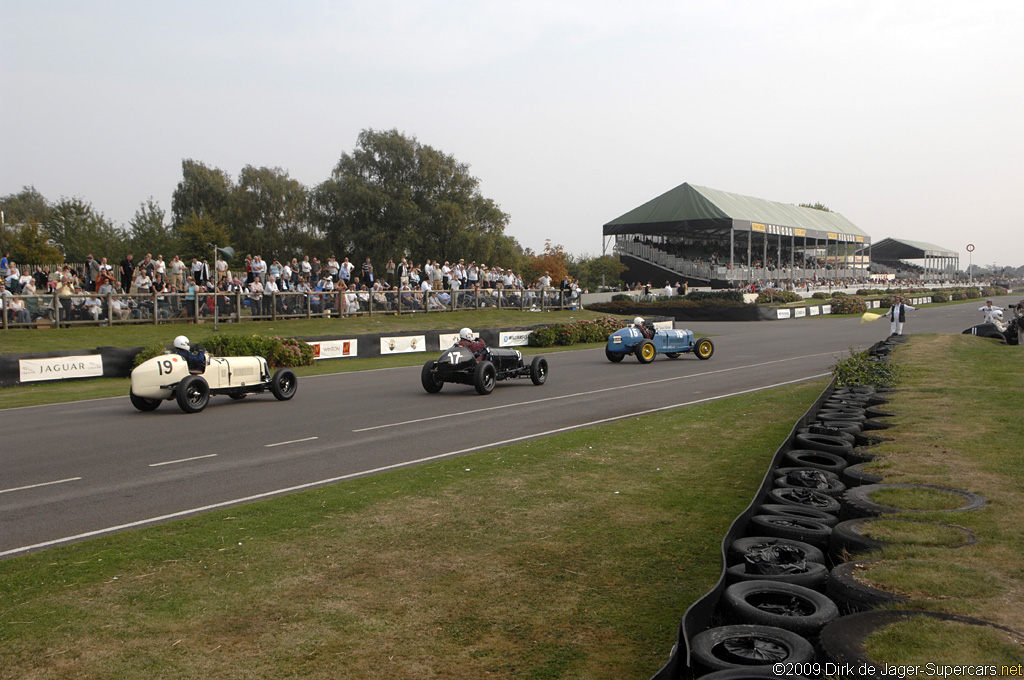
168,377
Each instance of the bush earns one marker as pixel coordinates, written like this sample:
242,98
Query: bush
848,305
716,296
819,296
148,353
778,297
940,297
278,352
860,368
566,334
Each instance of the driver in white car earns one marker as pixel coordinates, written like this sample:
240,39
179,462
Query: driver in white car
196,360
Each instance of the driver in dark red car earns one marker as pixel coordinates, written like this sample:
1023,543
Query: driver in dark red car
475,345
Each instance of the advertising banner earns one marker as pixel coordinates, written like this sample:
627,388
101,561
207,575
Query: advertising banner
660,325
799,312
446,340
403,344
519,338
335,349
60,368
782,313
814,311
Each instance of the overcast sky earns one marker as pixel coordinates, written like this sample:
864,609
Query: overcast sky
906,117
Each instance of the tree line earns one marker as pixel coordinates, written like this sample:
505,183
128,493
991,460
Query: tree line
391,197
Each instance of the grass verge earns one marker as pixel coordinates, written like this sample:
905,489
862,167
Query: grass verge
568,557
959,425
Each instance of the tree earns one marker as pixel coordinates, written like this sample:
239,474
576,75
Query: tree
149,233
554,261
594,272
268,213
393,196
77,230
201,191
196,233
816,206
28,205
32,244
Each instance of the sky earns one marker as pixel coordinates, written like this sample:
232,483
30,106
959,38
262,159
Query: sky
905,116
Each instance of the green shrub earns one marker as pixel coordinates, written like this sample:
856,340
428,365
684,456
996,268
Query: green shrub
596,330
778,297
148,353
848,305
860,368
939,296
621,298
277,351
819,296
542,337
716,296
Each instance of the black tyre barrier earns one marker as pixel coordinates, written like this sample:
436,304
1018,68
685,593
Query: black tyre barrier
831,462
822,442
869,438
848,538
806,498
860,454
796,511
747,646
847,426
820,428
875,412
855,475
811,479
770,603
782,471
876,424
748,674
846,415
794,528
813,575
741,547
842,640
850,595
857,501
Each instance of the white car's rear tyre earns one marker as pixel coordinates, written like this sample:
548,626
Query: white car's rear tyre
284,384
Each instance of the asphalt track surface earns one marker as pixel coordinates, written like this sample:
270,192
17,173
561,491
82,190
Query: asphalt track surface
75,470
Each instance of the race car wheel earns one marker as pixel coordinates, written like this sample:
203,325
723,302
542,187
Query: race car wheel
539,370
674,355
646,352
284,384
704,348
484,377
429,378
192,393
614,357
143,403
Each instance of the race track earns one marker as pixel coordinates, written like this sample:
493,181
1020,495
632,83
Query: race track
69,471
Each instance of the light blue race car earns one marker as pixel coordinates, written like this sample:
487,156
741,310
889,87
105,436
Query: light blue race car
671,343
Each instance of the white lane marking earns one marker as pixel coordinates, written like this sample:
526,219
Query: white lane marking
385,468
293,441
532,402
183,460
36,486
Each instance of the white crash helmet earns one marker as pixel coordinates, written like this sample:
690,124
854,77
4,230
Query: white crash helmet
181,342
466,334
997,313
638,321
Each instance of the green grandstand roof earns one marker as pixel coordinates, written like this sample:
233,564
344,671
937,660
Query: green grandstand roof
690,205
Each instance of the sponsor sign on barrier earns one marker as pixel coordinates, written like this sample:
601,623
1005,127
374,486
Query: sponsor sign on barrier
658,325
799,313
403,344
335,349
813,311
446,340
782,313
518,338
826,309
60,368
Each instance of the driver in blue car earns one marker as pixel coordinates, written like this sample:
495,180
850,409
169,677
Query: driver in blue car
646,329
475,345
196,360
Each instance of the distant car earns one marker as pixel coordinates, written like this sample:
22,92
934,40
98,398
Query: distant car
671,343
168,377
458,365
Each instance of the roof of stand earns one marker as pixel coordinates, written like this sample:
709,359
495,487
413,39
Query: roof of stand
694,208
891,249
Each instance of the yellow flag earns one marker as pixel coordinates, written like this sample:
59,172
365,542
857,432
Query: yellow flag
868,316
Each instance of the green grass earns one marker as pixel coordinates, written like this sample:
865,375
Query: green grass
916,498
568,557
17,341
925,640
958,425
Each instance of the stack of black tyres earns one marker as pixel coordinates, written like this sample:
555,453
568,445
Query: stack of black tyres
780,595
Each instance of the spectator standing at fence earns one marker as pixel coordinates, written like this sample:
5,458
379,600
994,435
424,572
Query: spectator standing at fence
256,296
403,272
177,273
126,269
148,265
259,268
544,281
389,271
92,272
367,272
472,275
345,271
221,265
160,267
5,263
